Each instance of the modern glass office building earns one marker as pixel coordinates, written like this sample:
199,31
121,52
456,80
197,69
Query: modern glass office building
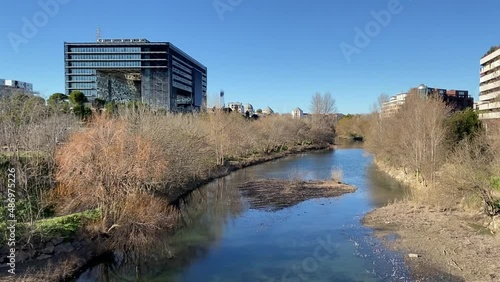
155,73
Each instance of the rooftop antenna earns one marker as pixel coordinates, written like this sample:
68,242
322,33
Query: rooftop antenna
97,34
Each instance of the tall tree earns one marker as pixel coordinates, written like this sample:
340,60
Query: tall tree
77,100
58,102
323,124
323,104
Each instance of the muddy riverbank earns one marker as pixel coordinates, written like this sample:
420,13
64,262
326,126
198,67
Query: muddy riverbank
456,245
452,245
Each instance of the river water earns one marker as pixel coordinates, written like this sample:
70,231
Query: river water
225,239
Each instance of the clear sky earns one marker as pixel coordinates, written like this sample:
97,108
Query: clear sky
275,53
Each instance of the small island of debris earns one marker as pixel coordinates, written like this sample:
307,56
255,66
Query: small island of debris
276,194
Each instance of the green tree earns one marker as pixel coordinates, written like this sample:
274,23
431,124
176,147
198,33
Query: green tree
21,108
77,98
57,98
82,111
259,111
58,102
463,124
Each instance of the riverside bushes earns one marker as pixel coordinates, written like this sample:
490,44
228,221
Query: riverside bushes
29,134
123,165
450,155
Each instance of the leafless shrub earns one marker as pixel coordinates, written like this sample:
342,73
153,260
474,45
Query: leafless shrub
102,165
414,138
118,164
337,175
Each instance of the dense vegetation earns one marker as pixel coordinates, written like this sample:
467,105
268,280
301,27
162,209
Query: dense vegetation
453,159
123,162
354,126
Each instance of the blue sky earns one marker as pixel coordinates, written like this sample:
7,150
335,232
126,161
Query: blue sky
275,53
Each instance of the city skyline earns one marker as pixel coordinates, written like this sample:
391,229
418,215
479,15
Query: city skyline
274,54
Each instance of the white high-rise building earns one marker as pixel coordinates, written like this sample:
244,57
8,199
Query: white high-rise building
489,85
391,107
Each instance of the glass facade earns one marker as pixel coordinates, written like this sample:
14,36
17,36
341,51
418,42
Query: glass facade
81,71
82,85
105,64
81,78
105,49
102,57
158,74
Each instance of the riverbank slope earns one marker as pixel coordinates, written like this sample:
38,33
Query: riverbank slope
41,265
457,243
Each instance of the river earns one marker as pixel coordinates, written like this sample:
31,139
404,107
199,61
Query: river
225,239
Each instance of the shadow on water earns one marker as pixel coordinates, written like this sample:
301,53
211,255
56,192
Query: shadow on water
223,239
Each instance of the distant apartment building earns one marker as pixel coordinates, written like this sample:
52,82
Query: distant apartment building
9,86
392,106
154,73
489,85
458,100
297,113
236,107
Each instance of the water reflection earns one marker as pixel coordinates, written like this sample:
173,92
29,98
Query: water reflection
383,187
317,240
204,215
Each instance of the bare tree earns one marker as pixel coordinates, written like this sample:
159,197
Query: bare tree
323,104
323,124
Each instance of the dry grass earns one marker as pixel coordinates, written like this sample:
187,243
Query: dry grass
337,175
110,167
117,164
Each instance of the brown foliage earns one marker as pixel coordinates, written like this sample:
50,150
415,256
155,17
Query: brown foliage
102,165
142,218
354,126
414,138
121,164
452,174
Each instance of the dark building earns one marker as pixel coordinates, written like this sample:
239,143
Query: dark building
155,73
457,99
